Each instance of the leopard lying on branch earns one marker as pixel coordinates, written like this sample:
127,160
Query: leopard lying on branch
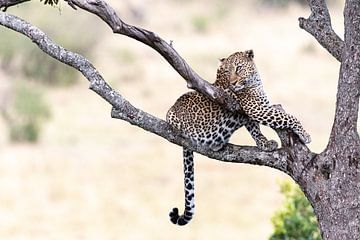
210,125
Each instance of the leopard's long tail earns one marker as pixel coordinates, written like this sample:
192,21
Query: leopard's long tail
188,157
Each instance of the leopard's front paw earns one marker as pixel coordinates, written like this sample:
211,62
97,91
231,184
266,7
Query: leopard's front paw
305,138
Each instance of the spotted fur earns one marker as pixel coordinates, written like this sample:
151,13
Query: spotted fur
209,125
246,85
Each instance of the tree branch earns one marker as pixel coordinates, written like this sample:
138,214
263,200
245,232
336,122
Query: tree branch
108,15
231,153
345,125
122,109
318,24
292,159
194,81
9,3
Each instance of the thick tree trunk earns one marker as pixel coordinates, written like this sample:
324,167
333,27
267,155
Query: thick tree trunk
333,183
338,209
333,187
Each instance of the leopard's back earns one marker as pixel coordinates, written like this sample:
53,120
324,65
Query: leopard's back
203,121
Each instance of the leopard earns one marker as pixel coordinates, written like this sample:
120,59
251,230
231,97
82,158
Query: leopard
209,125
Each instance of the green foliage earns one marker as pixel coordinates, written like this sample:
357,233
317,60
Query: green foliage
26,113
200,23
9,42
20,58
50,2
296,220
43,69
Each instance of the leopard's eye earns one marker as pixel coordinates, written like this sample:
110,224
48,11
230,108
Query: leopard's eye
238,69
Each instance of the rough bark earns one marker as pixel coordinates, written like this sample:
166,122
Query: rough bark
118,26
4,4
318,24
332,184
330,180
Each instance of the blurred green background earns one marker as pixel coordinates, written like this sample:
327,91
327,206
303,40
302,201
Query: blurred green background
69,171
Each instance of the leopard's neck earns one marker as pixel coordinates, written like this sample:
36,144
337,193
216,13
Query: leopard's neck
222,79
255,94
253,88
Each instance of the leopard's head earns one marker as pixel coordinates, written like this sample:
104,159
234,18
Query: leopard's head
238,72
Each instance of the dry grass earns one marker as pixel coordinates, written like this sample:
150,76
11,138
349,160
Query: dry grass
92,177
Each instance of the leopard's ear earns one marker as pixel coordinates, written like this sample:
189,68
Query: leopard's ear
221,60
250,54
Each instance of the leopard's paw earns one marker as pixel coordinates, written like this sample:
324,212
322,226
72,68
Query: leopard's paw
305,137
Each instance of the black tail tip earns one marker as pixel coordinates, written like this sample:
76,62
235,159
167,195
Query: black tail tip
176,219
174,215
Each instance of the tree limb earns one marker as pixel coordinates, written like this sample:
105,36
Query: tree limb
108,15
318,24
9,3
194,81
122,109
347,101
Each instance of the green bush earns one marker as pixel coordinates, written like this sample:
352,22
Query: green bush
26,113
200,23
44,69
21,58
296,219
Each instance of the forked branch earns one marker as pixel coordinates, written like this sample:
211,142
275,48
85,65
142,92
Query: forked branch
347,105
194,81
318,24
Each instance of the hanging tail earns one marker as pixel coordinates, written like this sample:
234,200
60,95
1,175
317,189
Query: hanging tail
188,157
